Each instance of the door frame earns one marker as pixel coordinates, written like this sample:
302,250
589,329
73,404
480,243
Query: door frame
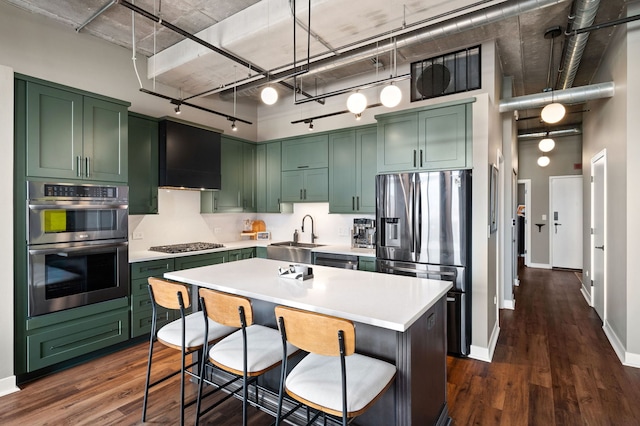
551,227
527,221
602,155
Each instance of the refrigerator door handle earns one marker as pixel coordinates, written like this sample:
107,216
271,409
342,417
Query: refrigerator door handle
417,217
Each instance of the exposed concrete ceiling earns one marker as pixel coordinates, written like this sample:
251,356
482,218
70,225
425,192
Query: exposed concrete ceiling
261,33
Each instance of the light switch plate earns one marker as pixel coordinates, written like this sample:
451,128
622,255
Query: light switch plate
544,217
137,235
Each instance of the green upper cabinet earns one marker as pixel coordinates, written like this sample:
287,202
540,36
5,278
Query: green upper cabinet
431,138
309,152
75,136
238,169
305,173
310,186
269,177
352,165
143,165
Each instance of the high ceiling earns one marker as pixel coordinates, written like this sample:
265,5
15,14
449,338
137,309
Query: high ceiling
260,34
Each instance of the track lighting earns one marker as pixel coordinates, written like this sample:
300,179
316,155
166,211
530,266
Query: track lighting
311,126
177,109
358,116
356,103
233,126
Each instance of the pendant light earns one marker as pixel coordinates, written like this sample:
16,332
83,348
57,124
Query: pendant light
269,95
391,95
356,103
555,111
543,161
546,144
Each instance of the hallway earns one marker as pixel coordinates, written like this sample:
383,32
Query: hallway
553,364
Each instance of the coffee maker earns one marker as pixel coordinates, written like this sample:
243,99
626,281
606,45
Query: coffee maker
363,234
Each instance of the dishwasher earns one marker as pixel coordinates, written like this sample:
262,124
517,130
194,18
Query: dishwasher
344,261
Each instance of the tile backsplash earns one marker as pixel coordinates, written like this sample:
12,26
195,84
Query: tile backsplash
179,221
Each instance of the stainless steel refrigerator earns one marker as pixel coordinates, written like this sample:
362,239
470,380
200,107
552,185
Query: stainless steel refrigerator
424,230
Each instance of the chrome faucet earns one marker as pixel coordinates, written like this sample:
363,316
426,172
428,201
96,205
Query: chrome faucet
313,236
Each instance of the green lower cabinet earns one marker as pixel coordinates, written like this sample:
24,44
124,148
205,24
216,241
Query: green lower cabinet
64,335
197,260
261,252
367,264
141,309
240,254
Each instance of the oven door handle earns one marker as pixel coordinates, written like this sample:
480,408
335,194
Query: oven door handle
38,207
87,248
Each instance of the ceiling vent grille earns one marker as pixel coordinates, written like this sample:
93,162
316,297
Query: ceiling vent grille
447,74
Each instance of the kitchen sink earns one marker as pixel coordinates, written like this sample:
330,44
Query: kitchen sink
291,251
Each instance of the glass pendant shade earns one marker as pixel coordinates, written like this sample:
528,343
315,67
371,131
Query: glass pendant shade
390,96
269,95
356,103
553,113
546,144
543,161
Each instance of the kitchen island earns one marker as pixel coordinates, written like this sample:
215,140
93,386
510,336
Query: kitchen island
399,319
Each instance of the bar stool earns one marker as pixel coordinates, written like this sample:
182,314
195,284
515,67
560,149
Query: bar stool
248,353
186,334
332,378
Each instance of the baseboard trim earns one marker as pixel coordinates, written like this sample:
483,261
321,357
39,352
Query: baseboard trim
509,304
586,295
540,265
8,385
486,354
629,359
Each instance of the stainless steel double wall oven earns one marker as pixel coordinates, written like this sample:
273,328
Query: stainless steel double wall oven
77,245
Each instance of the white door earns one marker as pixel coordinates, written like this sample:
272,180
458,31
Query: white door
598,203
566,221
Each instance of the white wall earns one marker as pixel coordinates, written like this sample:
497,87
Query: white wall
7,379
613,124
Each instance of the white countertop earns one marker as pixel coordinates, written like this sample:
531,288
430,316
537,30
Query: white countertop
388,301
145,255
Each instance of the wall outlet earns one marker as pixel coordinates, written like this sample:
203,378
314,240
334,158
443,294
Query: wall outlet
343,232
544,217
217,230
137,235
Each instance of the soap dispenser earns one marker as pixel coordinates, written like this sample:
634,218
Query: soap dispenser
295,236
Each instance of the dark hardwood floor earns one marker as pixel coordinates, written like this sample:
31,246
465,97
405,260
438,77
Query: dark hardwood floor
552,366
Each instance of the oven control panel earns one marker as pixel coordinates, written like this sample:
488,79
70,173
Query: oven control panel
80,191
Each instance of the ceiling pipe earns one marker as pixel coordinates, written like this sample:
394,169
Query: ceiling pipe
585,13
574,95
95,15
407,37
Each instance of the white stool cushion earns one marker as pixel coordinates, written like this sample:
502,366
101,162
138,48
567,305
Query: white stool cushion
317,379
264,349
194,331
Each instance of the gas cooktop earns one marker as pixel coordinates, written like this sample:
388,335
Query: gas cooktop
183,248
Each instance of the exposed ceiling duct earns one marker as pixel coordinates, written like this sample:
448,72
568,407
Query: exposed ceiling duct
406,37
585,14
574,95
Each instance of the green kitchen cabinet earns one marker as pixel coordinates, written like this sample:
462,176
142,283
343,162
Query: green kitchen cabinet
240,254
261,252
143,164
238,183
141,309
352,166
75,136
269,178
367,264
61,336
301,186
431,138
197,260
310,152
